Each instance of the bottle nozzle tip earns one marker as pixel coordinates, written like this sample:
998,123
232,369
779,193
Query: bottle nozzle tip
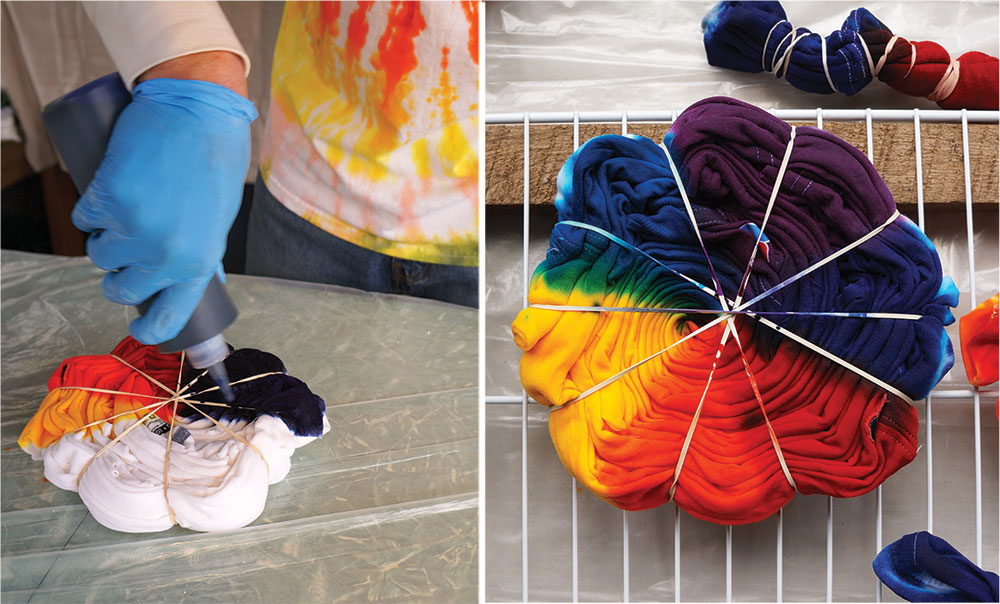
221,377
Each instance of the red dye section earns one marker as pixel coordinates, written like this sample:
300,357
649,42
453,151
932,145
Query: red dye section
357,31
396,56
471,8
330,12
840,435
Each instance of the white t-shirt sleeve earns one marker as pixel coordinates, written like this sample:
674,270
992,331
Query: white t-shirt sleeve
139,35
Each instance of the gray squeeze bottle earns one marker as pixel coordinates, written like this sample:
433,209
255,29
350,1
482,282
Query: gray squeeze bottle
80,125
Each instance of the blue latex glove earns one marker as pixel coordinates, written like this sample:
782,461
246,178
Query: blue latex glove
160,206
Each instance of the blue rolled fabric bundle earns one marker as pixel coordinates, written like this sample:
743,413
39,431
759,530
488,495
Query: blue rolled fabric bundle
920,567
756,36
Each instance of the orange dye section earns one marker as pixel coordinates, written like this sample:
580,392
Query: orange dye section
471,9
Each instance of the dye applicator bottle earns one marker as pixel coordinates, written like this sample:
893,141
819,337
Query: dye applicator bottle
80,125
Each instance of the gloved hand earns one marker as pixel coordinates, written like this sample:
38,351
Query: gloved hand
160,206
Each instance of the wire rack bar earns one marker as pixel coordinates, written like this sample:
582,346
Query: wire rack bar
829,549
820,115
779,580
928,406
882,115
677,553
972,304
625,567
524,402
729,563
878,491
576,526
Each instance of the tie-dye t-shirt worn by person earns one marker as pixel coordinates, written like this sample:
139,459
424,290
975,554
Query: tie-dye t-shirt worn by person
372,133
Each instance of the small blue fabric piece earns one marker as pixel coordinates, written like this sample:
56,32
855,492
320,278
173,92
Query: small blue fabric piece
920,567
751,37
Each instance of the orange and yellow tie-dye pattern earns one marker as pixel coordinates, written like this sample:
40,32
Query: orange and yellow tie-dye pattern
372,133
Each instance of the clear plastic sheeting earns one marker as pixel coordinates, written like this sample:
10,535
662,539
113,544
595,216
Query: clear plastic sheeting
604,56
381,508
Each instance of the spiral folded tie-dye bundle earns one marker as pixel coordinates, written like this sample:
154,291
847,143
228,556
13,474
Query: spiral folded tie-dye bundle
773,348
149,442
756,36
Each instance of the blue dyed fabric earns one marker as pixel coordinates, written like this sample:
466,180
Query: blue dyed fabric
920,567
736,37
282,395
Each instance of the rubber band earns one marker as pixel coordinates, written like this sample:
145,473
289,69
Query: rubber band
166,458
763,52
716,311
892,218
627,245
947,84
175,398
885,54
697,414
767,214
786,57
838,360
868,54
694,223
774,57
744,306
913,60
621,373
826,67
115,440
763,412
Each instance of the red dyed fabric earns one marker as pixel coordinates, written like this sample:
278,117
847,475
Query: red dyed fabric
105,372
978,84
979,332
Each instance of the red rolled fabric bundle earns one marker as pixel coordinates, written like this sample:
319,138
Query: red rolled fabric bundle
926,69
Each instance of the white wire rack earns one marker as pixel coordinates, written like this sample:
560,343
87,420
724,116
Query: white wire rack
951,395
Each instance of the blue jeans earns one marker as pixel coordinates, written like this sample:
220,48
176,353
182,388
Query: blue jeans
284,245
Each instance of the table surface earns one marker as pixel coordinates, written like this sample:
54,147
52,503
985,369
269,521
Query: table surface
383,507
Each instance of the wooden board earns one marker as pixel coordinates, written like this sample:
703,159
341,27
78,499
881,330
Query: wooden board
892,146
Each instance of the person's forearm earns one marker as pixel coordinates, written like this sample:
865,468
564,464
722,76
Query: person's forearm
167,40
220,67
